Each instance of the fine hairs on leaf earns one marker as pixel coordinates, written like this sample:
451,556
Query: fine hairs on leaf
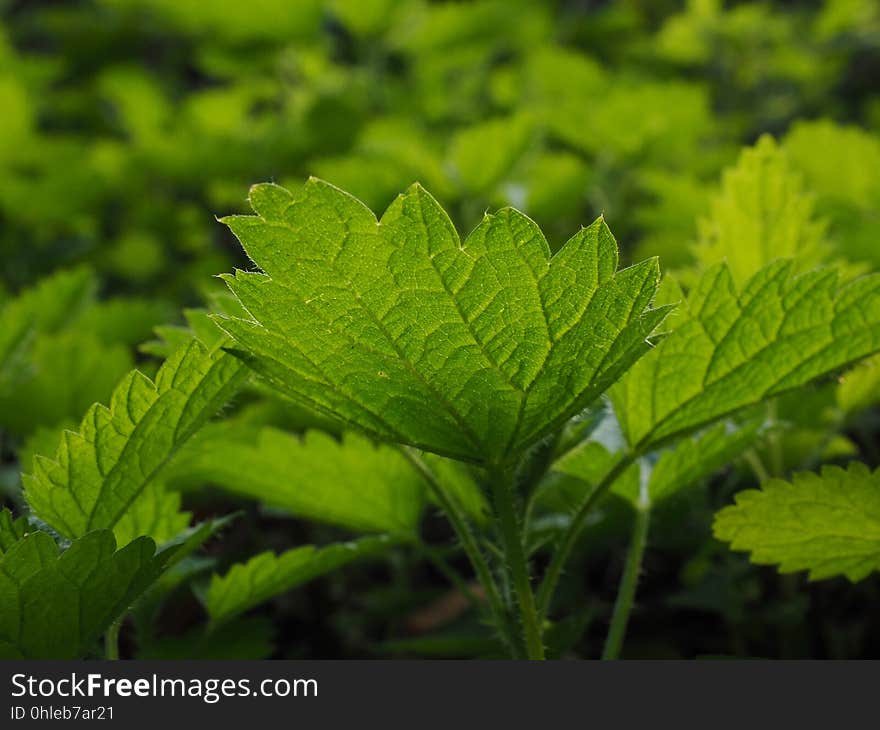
472,349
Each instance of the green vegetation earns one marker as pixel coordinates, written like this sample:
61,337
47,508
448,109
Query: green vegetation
478,423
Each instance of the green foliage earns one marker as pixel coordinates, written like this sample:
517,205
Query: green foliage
61,349
555,419
267,574
101,470
351,483
55,606
734,348
761,214
828,523
475,350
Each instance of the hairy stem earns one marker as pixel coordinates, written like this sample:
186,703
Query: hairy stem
478,561
629,581
515,558
569,539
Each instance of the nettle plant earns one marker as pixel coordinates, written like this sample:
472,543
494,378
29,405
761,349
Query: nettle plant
513,390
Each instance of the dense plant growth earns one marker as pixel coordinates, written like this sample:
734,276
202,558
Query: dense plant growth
476,424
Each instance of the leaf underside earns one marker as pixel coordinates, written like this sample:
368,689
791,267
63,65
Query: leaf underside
731,349
473,350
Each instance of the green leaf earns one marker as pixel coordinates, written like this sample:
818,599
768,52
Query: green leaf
688,463
268,575
98,472
734,349
826,523
61,351
125,321
761,214
352,483
695,459
55,607
841,163
473,350
575,476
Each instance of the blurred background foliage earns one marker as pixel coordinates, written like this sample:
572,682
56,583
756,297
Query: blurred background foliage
126,125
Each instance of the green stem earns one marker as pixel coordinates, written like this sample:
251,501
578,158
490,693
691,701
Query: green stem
629,581
459,523
754,461
515,558
569,539
111,640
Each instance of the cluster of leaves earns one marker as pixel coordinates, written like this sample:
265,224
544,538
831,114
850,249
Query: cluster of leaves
363,376
147,113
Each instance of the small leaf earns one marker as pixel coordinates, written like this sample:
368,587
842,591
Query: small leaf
99,471
761,214
267,575
352,483
695,459
45,309
826,523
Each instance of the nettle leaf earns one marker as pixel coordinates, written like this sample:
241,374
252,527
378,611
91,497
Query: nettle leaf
686,464
55,606
694,459
733,349
575,476
473,350
762,213
351,483
826,523
99,471
267,575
